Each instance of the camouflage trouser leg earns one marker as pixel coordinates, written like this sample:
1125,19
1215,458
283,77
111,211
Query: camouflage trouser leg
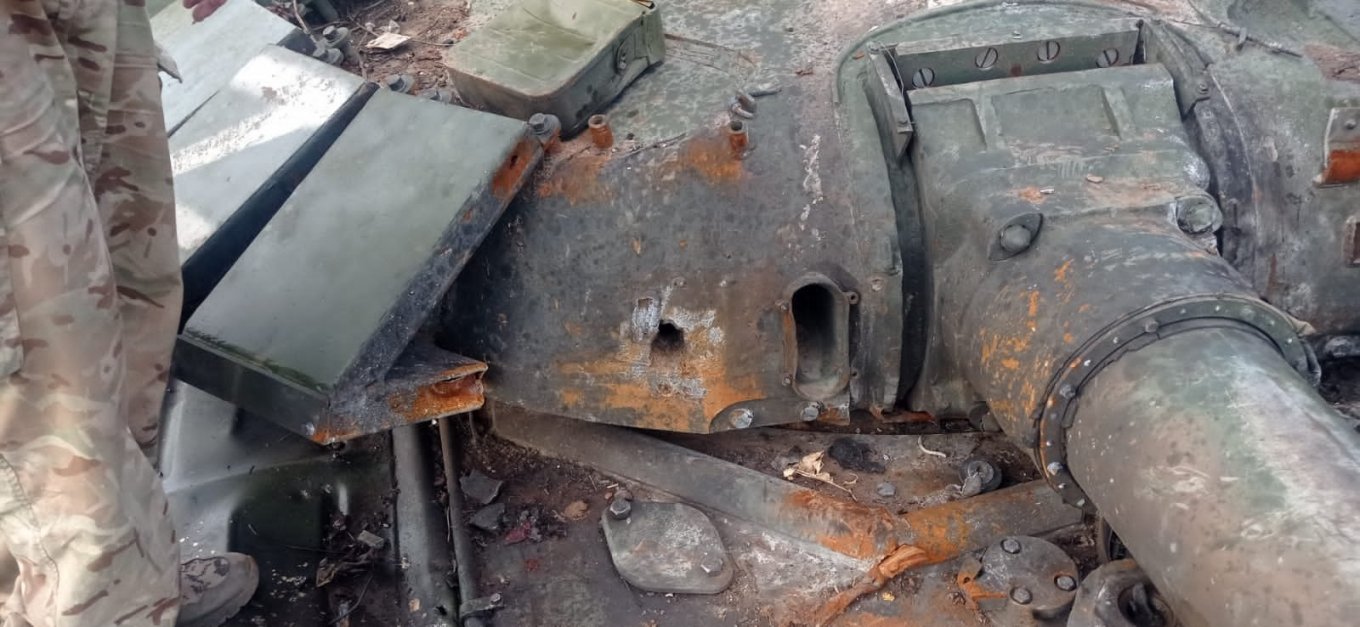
88,300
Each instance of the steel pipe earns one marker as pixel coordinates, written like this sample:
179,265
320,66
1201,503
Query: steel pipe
1230,480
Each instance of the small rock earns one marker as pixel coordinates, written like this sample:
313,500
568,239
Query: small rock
575,510
1095,178
886,489
371,539
480,488
488,518
855,456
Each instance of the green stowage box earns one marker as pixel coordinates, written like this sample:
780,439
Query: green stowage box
569,58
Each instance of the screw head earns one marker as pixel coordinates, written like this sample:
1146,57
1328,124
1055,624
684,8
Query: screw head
1067,391
1066,583
810,412
1108,58
1015,238
986,59
1049,51
1010,545
620,508
1022,596
742,417
712,565
538,122
923,77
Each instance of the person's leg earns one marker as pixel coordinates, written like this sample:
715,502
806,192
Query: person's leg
80,507
137,206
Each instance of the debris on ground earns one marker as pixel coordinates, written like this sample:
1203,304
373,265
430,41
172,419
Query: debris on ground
488,518
575,510
387,42
533,525
811,466
886,490
371,540
480,488
895,563
855,456
352,546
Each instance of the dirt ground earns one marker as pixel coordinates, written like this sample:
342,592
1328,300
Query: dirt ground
432,25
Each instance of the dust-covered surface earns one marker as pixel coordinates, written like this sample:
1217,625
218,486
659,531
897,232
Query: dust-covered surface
564,576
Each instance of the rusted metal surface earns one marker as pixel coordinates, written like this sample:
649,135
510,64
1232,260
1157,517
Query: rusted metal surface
893,564
1342,146
551,297
600,133
854,529
1020,581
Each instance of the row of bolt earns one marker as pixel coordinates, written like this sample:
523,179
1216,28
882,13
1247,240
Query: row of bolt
743,417
1021,594
1048,52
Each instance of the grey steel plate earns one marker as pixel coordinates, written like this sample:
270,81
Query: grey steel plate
210,52
668,547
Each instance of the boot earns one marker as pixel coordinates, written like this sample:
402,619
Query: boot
213,589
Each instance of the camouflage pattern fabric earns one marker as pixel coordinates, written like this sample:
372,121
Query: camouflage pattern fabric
89,303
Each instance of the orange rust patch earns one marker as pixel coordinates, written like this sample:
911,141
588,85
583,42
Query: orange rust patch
439,399
1060,275
1031,194
505,183
679,390
711,158
576,178
329,432
1343,166
853,529
571,397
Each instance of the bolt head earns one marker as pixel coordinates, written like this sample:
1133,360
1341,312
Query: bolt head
538,122
1066,583
1022,596
810,412
1010,545
886,489
620,508
1054,468
1351,124
1197,215
742,417
1015,239
712,565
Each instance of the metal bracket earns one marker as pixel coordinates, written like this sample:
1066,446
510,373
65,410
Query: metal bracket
1010,53
1341,148
883,86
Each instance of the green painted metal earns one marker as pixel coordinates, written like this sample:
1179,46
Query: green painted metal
569,58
